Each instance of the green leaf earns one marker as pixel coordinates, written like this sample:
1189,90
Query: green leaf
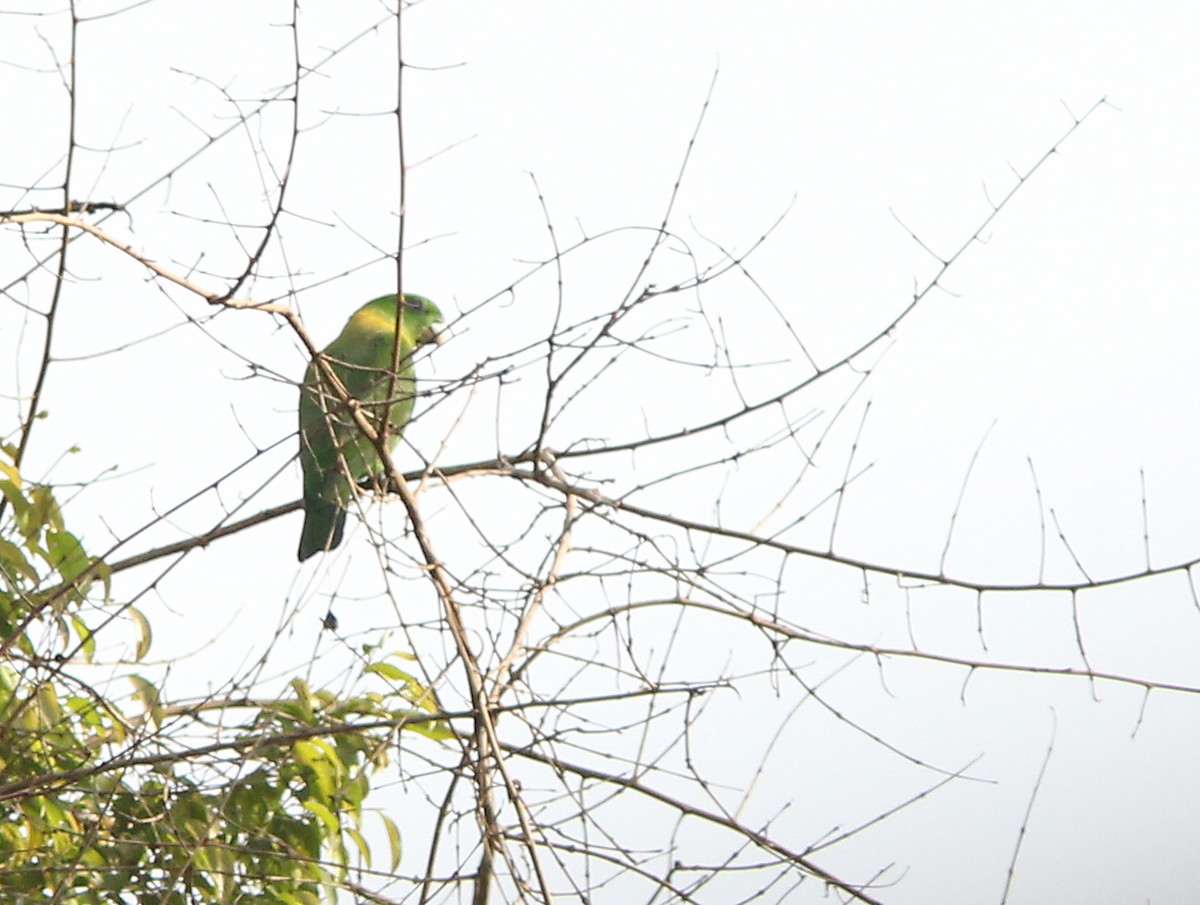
87,640
304,698
13,562
321,760
393,834
388,671
361,844
37,512
148,696
67,554
12,493
10,472
48,706
354,790
103,571
85,710
45,507
141,629
296,897
325,815
438,730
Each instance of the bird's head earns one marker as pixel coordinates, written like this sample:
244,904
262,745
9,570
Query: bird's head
417,327
420,317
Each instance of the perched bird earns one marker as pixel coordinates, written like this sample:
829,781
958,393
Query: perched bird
334,452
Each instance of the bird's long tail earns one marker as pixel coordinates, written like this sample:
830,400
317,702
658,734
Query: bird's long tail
323,526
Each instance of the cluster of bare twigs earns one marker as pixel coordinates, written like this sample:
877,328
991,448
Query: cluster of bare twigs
585,570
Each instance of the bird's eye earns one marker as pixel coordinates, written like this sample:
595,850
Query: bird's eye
413,303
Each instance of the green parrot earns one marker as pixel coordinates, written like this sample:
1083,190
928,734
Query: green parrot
334,453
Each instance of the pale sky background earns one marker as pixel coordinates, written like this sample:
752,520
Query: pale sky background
1067,337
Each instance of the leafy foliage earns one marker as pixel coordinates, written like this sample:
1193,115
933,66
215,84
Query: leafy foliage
105,804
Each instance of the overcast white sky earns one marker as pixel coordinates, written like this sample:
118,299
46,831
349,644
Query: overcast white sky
1068,336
